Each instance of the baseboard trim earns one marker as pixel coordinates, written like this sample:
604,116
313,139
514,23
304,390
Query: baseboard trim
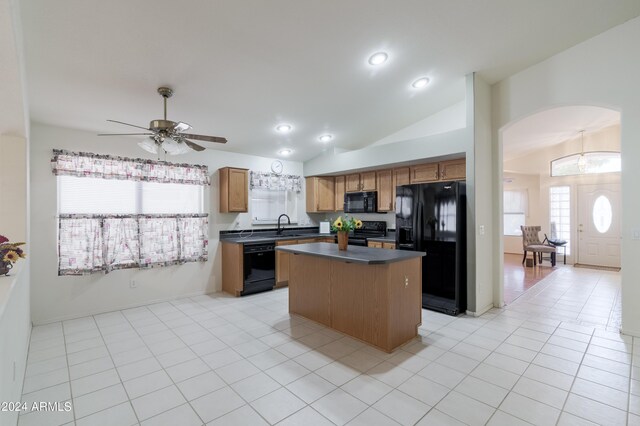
480,311
118,308
634,333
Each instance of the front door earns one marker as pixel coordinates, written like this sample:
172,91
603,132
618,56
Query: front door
599,231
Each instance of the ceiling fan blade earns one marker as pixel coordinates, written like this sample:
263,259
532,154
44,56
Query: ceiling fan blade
194,146
216,139
123,134
127,124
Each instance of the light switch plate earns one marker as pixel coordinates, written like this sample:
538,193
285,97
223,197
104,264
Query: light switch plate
635,234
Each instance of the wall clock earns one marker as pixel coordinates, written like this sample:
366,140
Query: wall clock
277,167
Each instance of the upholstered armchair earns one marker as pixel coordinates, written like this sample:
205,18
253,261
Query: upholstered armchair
531,243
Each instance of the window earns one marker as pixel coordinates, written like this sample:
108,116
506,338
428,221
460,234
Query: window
560,214
267,205
117,213
80,195
592,163
516,209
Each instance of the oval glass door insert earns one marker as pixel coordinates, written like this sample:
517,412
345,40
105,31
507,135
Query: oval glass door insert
602,214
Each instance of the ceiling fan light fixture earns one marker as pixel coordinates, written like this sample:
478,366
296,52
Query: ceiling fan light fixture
149,145
173,147
284,128
181,127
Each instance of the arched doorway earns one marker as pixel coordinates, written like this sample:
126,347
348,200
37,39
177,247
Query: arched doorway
526,147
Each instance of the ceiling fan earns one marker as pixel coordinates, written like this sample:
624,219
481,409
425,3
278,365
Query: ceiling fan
166,135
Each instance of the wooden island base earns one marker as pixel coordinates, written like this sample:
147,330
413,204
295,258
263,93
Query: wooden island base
379,304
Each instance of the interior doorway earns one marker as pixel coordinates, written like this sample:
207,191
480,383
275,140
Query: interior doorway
599,230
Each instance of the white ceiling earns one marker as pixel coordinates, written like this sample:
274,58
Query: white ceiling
241,67
554,126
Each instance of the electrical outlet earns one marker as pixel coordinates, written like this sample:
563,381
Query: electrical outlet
133,284
481,229
636,234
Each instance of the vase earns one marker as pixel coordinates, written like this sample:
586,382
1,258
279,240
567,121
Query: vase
5,267
343,240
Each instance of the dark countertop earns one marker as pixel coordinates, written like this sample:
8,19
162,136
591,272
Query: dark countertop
355,254
390,238
262,238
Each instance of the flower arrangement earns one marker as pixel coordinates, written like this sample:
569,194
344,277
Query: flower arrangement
345,225
10,253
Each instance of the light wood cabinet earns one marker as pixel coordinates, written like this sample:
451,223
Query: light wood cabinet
282,259
282,264
453,170
424,173
400,177
385,190
339,191
232,268
320,194
358,182
380,244
234,190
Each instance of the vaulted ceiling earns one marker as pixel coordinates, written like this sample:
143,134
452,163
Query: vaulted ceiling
240,67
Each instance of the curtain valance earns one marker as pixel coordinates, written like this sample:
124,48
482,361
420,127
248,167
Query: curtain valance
84,164
275,182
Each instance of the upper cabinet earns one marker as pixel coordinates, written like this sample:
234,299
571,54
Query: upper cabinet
320,194
453,170
360,182
400,177
339,190
444,170
385,190
424,173
234,190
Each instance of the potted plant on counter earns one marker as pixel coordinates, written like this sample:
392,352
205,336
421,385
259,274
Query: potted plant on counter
10,253
342,227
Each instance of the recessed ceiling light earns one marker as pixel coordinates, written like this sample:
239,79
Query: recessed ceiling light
378,58
325,138
285,151
284,128
420,83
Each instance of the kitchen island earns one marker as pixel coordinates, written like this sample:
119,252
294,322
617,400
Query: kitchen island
371,294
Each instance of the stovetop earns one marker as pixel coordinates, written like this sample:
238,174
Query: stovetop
370,229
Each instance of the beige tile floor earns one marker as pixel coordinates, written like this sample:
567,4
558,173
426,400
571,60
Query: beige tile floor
552,357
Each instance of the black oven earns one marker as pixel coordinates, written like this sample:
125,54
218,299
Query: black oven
361,202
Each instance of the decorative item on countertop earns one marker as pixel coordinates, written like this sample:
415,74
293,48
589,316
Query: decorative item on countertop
10,253
342,228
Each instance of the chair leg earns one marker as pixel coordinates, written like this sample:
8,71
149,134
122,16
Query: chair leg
524,257
553,259
535,258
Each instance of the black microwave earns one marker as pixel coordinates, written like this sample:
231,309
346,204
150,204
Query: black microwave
361,202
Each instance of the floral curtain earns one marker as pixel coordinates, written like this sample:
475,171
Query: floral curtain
84,164
103,243
275,182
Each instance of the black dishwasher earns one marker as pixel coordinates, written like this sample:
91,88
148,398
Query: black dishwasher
259,267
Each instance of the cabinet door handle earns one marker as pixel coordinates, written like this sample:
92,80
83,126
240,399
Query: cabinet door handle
437,175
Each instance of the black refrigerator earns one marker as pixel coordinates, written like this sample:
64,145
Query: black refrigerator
431,217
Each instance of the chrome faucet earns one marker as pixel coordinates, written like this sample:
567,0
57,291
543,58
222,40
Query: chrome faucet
279,230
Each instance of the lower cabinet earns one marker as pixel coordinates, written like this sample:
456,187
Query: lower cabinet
232,268
282,259
380,244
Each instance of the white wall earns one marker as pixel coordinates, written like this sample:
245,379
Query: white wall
573,77
530,183
55,298
13,187
452,118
